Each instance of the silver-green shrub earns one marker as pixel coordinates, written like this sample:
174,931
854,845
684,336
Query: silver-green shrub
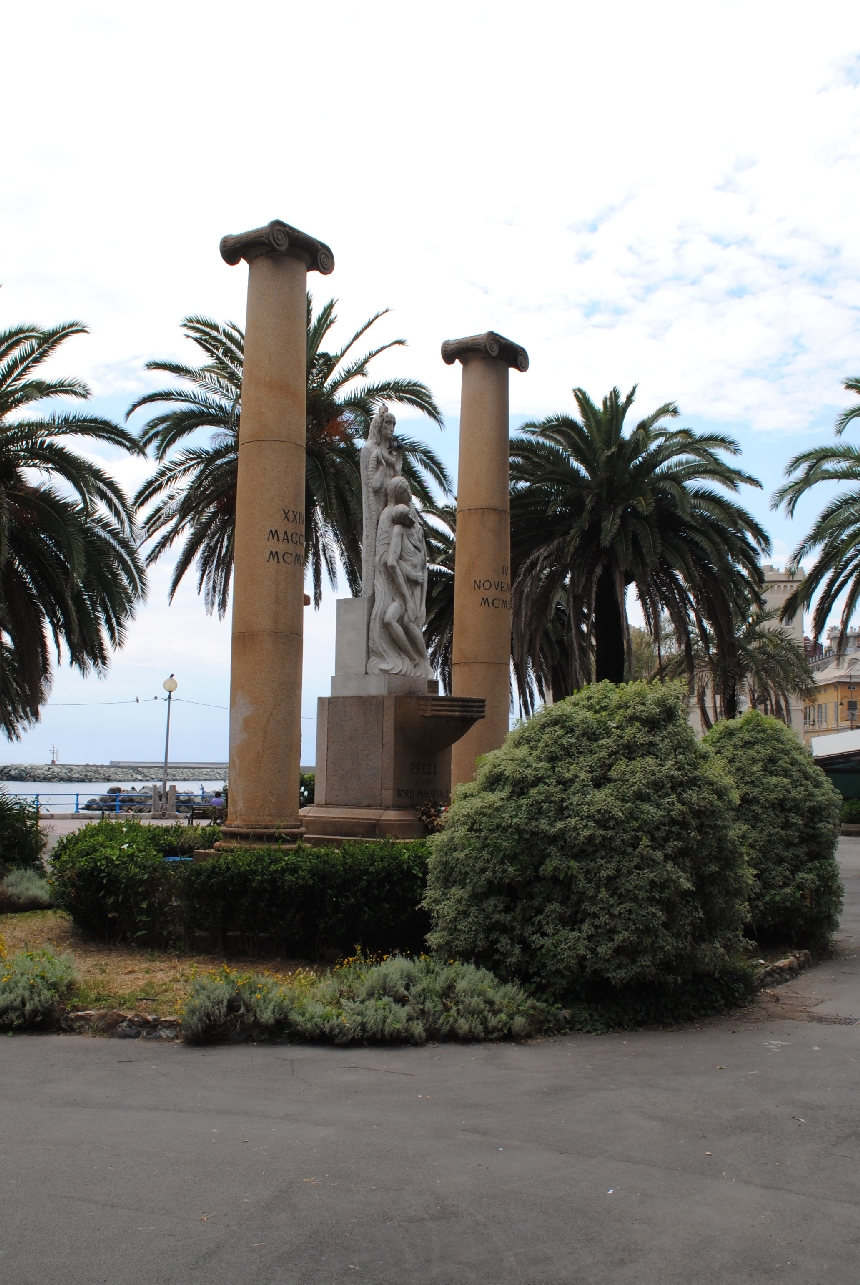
594,859
399,1000
23,889
33,985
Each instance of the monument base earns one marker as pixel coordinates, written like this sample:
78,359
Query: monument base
269,836
389,752
383,743
332,826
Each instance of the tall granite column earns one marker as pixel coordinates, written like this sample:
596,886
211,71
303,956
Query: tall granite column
268,577
482,576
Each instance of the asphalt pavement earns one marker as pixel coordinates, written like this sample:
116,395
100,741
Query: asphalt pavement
728,1152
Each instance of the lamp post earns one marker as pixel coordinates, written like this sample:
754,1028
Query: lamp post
170,685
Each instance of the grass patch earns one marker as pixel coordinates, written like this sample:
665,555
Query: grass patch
122,976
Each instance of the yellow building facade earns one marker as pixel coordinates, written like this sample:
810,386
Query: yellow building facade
834,707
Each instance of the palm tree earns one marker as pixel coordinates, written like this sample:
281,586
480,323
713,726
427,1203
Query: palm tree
595,509
192,493
546,679
768,667
835,532
69,568
440,527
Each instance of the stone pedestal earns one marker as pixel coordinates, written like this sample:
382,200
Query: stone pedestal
383,743
268,578
482,576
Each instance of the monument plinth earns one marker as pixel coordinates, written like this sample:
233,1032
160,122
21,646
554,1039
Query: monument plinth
268,577
481,656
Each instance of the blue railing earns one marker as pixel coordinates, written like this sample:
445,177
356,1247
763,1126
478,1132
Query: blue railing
116,804
45,800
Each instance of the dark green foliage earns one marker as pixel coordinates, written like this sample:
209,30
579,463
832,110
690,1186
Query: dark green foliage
22,840
395,1001
689,1000
598,506
594,859
834,578
851,811
309,902
33,985
22,889
191,496
70,573
767,665
306,902
181,840
307,786
112,879
788,825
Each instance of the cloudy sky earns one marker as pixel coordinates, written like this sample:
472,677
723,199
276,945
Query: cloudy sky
664,195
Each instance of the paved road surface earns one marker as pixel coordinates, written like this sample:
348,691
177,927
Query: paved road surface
728,1153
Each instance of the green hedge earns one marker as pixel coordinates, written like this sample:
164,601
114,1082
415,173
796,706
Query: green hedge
307,902
787,822
851,811
111,877
594,859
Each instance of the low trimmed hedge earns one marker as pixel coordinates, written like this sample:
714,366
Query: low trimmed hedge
307,903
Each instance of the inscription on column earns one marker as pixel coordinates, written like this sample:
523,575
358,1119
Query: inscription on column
495,593
289,538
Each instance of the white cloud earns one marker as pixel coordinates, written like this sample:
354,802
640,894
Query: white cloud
664,194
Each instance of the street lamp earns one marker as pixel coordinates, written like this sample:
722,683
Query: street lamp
170,685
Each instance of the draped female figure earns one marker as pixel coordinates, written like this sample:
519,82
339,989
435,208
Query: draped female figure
396,641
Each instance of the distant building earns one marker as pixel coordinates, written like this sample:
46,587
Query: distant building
778,587
837,680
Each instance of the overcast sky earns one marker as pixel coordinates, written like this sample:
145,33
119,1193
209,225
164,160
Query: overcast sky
664,194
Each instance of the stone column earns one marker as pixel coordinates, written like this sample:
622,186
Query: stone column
268,577
482,577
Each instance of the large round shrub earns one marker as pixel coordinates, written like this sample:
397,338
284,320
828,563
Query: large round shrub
594,858
787,824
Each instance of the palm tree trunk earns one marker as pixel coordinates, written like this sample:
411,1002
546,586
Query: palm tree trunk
608,631
730,699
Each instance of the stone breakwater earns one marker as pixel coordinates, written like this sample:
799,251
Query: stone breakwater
95,773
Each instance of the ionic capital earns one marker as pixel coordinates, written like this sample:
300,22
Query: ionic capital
278,237
488,345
